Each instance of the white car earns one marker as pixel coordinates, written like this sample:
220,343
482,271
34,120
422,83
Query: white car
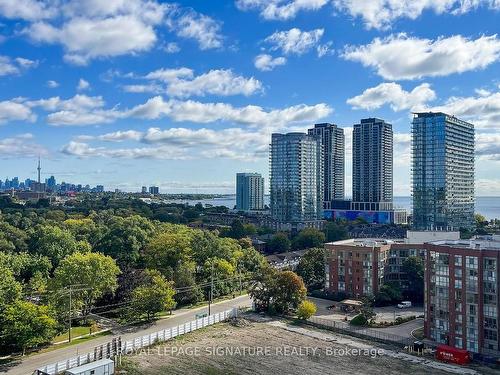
404,305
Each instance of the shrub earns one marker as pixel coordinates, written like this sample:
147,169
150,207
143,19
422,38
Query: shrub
306,310
358,320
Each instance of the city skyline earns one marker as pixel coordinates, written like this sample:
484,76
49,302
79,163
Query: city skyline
187,97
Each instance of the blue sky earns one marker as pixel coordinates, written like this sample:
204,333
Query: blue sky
184,95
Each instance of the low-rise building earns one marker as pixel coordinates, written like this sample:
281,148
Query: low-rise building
356,266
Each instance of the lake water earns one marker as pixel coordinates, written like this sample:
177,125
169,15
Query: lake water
489,207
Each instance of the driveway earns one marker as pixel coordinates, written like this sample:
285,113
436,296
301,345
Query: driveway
387,313
404,329
30,363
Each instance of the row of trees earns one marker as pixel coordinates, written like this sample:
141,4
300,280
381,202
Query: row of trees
106,259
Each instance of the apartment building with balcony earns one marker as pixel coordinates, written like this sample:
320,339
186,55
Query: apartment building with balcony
462,293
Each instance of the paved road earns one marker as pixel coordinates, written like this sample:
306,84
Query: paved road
404,329
30,363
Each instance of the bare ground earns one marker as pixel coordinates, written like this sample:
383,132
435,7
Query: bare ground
232,348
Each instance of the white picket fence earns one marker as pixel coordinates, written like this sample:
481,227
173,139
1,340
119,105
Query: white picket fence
130,346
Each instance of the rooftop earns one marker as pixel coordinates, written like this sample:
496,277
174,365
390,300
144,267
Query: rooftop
478,243
365,242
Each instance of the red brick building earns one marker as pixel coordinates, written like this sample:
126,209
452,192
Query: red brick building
356,266
462,284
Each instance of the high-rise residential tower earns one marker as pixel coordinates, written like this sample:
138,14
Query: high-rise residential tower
332,139
249,191
372,165
443,172
296,179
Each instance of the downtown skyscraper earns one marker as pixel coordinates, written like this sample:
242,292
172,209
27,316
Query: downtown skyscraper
443,172
333,144
372,165
249,191
296,179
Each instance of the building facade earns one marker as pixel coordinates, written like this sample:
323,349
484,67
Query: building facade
296,179
249,191
154,190
443,172
356,267
462,294
372,165
333,143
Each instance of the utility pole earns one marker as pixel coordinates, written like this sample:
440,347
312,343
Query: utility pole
70,314
211,288
239,279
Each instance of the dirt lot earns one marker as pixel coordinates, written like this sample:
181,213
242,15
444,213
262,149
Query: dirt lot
270,348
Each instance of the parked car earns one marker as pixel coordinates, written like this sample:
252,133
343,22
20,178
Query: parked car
404,305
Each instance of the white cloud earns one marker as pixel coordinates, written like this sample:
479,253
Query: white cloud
325,49
85,39
84,150
280,9
15,110
402,57
487,186
181,82
52,84
27,9
189,24
171,48
87,110
394,95
199,112
10,66
78,110
267,63
380,13
295,41
139,89
20,146
168,75
83,85
488,146
483,110
217,82
231,143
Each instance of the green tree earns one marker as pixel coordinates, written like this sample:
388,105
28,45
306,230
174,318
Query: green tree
306,310
237,230
12,239
155,296
185,279
288,292
413,267
277,291
312,268
366,309
55,243
10,289
125,238
27,325
308,238
94,273
388,294
224,276
169,249
335,231
279,243
262,287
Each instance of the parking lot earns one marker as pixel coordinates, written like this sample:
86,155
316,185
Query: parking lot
384,314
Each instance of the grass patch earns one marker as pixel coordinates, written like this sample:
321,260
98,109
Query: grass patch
75,332
418,333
